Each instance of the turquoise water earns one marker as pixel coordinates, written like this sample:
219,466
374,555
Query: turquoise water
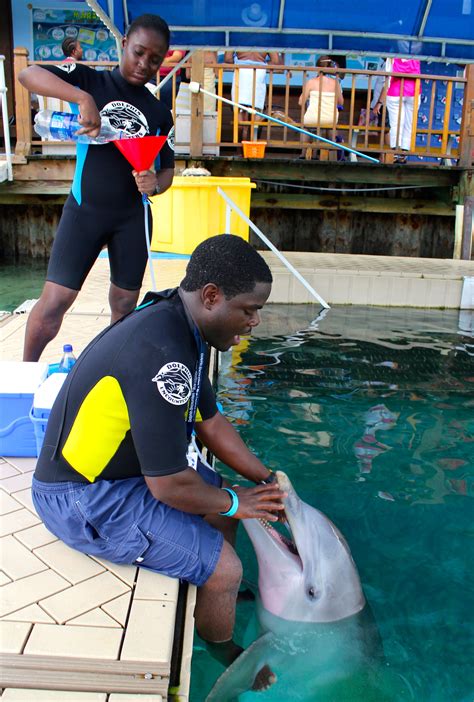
20,282
370,412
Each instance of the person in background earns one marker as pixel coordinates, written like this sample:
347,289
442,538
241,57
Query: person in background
183,98
210,75
116,478
104,207
247,95
72,49
399,96
173,57
321,98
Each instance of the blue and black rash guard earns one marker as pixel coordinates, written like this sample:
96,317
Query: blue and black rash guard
121,412
102,174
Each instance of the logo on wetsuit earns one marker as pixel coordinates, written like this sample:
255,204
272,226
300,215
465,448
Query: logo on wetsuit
174,382
170,139
68,66
124,116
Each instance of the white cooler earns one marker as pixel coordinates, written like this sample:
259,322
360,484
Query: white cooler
42,403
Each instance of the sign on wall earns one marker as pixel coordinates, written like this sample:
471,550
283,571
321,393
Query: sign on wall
51,27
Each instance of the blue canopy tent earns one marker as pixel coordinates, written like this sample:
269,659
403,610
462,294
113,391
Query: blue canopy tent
439,30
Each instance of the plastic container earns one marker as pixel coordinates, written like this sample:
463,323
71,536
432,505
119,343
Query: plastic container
68,359
18,383
254,149
43,401
62,126
192,210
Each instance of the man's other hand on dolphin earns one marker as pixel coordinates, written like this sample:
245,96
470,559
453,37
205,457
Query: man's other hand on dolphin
260,502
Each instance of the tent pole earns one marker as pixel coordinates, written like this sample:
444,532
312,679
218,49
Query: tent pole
94,5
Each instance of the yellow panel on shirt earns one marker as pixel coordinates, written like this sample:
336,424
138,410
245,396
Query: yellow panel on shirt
103,419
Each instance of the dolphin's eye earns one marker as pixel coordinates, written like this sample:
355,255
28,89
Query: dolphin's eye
311,592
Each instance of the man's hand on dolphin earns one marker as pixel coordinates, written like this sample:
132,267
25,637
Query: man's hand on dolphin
260,502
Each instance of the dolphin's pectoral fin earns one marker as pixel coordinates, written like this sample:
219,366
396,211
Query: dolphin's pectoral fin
264,679
249,671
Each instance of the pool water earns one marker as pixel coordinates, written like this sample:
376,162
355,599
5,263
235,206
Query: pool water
370,411
20,282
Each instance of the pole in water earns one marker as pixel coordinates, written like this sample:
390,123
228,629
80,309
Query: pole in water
195,87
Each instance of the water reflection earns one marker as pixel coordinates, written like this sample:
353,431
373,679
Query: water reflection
371,414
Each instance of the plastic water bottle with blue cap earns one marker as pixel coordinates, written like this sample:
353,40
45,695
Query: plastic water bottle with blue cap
68,359
63,126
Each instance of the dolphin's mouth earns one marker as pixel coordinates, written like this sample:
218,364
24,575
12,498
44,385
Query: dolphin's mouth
286,542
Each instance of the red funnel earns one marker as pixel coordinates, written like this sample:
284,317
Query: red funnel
142,151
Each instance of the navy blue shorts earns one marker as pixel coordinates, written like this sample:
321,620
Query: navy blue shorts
83,231
121,521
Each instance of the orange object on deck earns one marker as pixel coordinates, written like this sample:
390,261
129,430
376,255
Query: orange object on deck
254,149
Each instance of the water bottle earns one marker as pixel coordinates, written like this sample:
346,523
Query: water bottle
63,126
68,359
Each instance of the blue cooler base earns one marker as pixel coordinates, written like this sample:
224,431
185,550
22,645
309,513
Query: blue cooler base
18,383
18,438
39,424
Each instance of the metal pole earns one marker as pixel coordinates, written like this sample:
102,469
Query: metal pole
195,87
169,75
6,126
273,248
103,16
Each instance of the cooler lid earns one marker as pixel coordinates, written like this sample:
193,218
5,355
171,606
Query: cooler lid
19,377
47,392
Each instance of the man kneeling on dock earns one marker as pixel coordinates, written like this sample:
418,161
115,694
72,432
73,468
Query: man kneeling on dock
115,478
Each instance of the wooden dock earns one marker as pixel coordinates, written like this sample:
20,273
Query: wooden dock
73,627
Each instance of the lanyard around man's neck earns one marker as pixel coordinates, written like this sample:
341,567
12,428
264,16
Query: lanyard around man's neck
197,383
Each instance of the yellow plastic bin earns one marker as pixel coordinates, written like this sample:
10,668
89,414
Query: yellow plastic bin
192,210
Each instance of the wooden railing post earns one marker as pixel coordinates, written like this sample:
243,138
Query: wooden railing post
197,106
466,141
22,105
466,244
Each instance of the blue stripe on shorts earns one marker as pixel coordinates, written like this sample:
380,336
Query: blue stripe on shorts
121,521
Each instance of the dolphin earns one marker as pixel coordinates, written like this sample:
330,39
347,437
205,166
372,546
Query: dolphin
314,630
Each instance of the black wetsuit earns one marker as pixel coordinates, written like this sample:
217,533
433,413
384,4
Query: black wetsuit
105,206
121,412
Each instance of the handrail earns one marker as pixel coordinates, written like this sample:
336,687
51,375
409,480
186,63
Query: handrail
6,125
438,138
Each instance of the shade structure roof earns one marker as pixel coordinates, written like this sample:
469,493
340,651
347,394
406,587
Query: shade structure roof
432,29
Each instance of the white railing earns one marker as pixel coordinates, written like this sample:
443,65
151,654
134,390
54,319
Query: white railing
6,126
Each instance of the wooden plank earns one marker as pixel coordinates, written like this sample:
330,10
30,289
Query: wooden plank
45,169
82,665
22,105
466,141
301,171
447,112
353,203
83,682
197,106
35,187
466,246
7,198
